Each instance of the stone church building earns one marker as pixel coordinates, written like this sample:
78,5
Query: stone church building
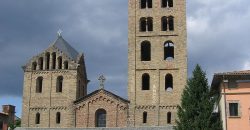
55,81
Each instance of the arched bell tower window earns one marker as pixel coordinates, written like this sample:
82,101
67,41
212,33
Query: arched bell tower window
59,59
169,50
150,23
146,24
100,118
171,23
39,84
168,82
53,60
66,65
146,4
166,3
145,51
40,62
143,24
37,121
164,23
47,60
59,84
34,65
145,81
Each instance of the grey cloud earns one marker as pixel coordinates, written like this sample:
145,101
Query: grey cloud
217,37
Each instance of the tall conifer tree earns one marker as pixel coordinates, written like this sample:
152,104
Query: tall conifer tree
197,105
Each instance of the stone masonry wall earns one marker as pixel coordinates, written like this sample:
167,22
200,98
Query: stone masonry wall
157,102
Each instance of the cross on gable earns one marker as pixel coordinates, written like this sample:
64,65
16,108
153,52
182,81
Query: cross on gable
101,79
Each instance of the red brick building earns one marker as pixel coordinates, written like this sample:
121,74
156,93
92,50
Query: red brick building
7,116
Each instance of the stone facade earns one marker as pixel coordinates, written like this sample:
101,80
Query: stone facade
156,101
115,106
49,100
47,106
55,81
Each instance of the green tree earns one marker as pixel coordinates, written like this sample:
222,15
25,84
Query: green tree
14,125
197,105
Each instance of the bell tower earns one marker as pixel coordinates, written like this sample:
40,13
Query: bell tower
157,60
53,80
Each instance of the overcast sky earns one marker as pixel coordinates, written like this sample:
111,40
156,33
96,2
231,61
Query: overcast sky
218,38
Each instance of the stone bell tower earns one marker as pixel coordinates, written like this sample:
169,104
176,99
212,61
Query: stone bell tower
53,80
157,60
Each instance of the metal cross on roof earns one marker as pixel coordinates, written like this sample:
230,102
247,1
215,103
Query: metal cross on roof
59,32
101,79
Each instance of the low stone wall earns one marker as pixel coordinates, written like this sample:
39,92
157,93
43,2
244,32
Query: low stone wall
127,128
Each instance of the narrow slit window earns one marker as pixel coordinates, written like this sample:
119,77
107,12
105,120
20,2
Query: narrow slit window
145,116
47,60
145,81
39,84
59,59
66,65
150,23
59,84
145,51
40,61
169,118
53,60
164,23
58,118
37,121
171,23
34,65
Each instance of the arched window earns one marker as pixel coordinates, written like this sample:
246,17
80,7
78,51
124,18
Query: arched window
53,60
37,121
66,65
150,23
145,81
169,118
168,50
166,3
58,118
171,23
145,116
143,24
146,24
40,62
34,65
168,82
47,60
39,84
100,117
59,59
145,51
59,84
146,3
164,23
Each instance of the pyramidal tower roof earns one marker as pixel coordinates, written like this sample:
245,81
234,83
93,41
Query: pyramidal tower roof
65,47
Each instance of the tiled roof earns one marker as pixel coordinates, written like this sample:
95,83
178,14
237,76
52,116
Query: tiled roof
65,47
95,92
243,72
